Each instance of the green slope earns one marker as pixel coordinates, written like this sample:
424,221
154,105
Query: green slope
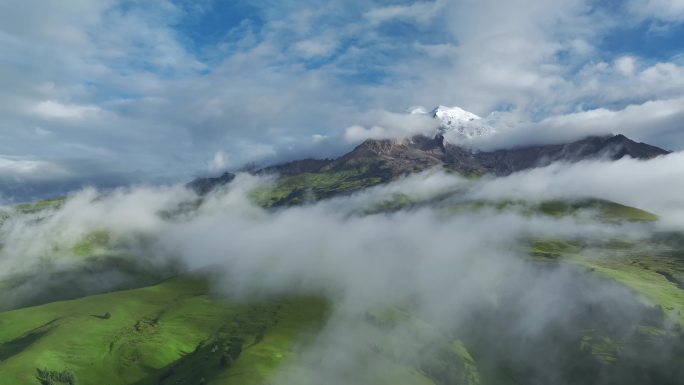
311,187
177,333
136,336
652,268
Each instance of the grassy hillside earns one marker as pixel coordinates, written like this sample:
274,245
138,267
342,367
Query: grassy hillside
174,330
311,187
177,333
653,269
33,207
595,209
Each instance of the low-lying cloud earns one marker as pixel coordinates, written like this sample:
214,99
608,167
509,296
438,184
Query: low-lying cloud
390,125
446,267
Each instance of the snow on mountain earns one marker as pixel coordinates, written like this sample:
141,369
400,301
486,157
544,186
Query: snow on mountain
456,123
451,116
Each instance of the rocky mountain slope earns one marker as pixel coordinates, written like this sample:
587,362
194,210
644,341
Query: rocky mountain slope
389,159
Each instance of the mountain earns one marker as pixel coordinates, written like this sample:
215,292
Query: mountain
401,156
612,147
204,185
376,161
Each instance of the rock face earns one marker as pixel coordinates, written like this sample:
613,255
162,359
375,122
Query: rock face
391,158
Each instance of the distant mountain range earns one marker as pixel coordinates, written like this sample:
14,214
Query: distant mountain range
389,159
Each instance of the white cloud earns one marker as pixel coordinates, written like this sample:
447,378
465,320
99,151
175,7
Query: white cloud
220,161
419,11
152,87
653,185
381,124
49,109
315,47
626,65
654,122
23,168
667,10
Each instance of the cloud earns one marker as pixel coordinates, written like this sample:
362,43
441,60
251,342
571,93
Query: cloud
14,167
653,122
666,10
219,162
315,47
126,78
626,65
651,185
420,12
656,122
364,264
390,125
49,109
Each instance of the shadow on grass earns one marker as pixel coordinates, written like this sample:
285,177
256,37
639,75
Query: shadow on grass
16,346
102,316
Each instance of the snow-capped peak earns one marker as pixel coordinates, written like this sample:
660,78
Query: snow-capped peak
456,123
453,115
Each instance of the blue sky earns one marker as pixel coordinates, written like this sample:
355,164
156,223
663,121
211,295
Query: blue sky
111,92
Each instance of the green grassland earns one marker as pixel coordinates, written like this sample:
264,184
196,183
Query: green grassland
176,332
652,277
311,187
605,210
37,206
86,276
593,209
655,272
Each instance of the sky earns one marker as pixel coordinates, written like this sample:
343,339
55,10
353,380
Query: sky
114,92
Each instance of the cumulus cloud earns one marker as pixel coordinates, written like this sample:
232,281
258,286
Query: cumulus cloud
653,122
287,71
656,122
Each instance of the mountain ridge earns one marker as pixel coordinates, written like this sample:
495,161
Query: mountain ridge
389,159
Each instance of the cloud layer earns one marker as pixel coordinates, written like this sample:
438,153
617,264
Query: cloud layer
447,267
157,90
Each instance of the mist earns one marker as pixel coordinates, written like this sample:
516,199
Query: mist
452,269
